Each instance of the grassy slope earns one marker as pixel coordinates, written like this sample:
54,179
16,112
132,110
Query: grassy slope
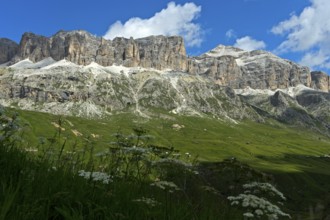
290,155
272,147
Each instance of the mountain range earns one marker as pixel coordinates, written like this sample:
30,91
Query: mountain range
77,73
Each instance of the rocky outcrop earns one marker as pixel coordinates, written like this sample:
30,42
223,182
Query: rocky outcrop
32,46
77,46
320,81
161,52
225,65
83,48
223,70
304,108
96,91
8,49
256,69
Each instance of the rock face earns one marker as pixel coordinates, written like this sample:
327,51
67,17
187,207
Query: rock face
304,107
95,91
225,65
8,49
34,47
321,81
256,69
162,53
82,48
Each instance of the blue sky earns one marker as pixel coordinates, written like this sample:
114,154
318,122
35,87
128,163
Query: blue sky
298,30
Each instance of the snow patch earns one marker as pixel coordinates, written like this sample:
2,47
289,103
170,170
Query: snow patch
61,63
291,91
249,91
28,64
22,64
43,63
94,65
243,57
5,64
222,50
294,91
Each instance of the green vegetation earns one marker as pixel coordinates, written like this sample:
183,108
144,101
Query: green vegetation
270,147
75,168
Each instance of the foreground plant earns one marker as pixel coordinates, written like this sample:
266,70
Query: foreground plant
258,201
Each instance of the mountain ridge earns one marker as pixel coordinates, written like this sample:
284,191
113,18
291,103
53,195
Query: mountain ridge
255,69
64,75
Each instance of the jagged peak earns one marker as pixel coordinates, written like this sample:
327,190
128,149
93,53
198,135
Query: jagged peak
223,50
7,41
244,57
63,33
29,35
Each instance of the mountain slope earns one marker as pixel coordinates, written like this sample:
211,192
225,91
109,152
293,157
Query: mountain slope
226,65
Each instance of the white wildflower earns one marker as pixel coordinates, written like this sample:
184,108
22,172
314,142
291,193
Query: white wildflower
248,215
188,154
259,212
260,205
148,201
166,185
96,176
31,149
265,187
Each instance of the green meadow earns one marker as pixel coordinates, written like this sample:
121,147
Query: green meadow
267,146
229,154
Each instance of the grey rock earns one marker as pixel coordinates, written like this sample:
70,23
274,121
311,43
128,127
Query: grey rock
161,52
76,46
223,70
309,109
317,103
224,65
320,81
256,69
82,48
70,88
8,49
34,47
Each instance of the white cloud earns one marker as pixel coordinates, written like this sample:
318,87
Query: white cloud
308,32
248,43
173,20
230,34
318,59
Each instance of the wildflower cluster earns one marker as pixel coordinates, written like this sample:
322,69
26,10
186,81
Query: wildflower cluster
256,188
151,202
134,157
166,185
96,176
258,206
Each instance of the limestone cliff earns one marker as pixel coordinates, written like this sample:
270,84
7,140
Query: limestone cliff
225,65
83,48
8,50
321,81
256,69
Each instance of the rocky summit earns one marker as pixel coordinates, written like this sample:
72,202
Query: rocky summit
77,73
228,66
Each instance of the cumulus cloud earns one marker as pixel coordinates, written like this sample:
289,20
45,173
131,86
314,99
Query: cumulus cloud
308,32
248,43
173,20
